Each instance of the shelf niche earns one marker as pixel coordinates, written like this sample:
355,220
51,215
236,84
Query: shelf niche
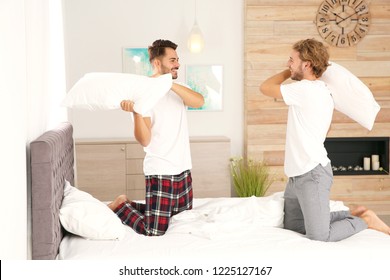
350,152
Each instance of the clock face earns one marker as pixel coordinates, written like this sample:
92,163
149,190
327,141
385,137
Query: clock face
343,23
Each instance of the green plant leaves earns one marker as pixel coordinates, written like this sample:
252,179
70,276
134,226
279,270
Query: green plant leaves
250,177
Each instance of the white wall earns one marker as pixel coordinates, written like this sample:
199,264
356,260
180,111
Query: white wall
97,30
32,85
13,195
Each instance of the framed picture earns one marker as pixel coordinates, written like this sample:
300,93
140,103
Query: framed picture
208,81
136,61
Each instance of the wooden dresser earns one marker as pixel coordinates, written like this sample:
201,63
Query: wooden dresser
106,168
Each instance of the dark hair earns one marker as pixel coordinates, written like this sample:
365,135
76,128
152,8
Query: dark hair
315,52
157,49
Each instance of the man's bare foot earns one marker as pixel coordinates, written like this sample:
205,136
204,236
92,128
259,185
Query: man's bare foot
118,201
357,210
374,222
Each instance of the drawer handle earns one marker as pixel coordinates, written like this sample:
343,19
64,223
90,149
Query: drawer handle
122,149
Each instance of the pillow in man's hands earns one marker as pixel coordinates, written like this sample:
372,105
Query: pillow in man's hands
351,96
105,91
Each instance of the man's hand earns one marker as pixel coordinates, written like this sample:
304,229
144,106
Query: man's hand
127,105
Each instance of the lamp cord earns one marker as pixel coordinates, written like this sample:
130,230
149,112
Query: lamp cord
196,22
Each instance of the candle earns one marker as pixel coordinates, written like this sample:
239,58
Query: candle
366,163
375,165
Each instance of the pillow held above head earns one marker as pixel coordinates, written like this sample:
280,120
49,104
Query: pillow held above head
351,96
105,91
84,215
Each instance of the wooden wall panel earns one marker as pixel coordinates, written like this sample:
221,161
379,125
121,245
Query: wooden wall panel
271,27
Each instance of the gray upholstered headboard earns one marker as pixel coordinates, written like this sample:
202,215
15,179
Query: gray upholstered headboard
52,162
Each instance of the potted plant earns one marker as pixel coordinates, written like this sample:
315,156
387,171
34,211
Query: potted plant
250,177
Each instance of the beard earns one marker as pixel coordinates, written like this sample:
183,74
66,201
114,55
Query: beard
173,71
297,75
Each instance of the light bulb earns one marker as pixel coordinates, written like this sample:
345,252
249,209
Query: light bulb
195,41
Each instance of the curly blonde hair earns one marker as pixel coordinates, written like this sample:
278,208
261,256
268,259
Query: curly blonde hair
314,52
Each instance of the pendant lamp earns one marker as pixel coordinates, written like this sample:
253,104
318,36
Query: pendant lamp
195,41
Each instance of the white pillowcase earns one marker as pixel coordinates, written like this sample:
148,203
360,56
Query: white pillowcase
351,96
84,215
105,91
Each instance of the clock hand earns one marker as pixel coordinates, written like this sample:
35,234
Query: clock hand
338,16
347,17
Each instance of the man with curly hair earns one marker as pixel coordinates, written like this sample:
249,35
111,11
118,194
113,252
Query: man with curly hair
307,194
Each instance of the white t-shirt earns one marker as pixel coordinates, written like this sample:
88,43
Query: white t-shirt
168,153
309,117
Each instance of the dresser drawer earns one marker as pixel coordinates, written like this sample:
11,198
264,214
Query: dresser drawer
100,170
135,194
134,151
135,182
134,166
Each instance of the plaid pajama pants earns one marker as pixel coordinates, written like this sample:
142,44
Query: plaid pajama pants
166,195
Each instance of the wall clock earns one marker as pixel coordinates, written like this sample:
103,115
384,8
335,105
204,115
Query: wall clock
343,23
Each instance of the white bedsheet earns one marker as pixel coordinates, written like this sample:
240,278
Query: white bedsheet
227,228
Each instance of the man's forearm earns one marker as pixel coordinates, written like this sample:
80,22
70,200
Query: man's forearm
190,98
271,86
142,132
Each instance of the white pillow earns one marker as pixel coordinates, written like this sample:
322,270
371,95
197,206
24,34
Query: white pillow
84,215
105,91
351,96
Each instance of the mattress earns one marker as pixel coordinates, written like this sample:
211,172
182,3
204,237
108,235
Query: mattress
228,228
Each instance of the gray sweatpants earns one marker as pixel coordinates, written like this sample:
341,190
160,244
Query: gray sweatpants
307,211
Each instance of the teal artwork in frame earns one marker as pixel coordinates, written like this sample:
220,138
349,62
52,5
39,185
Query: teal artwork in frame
136,61
208,81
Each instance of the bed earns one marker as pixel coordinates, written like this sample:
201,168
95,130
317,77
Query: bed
216,228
